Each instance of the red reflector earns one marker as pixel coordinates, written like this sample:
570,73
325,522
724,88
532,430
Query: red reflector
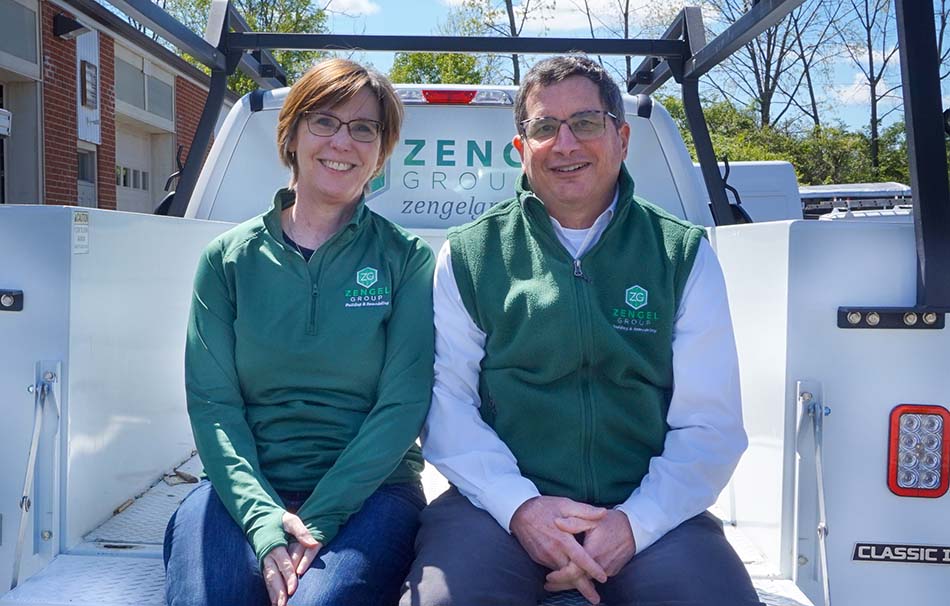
918,458
457,97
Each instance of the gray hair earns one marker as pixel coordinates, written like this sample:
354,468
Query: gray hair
557,69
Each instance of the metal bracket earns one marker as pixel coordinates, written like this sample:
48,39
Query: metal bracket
908,318
11,300
44,396
811,406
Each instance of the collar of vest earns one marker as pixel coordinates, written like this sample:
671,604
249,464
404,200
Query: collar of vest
286,197
533,207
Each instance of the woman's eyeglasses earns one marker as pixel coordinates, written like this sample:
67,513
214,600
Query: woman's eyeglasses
360,129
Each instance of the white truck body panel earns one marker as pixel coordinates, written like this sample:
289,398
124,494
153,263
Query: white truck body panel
106,296
786,281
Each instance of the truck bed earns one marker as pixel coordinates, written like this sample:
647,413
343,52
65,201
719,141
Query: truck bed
120,562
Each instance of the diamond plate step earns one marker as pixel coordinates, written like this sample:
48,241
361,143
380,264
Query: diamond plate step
87,580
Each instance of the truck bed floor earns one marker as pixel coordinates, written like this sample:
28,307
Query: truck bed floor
120,562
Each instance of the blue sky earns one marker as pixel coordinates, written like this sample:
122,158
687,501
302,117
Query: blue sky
844,95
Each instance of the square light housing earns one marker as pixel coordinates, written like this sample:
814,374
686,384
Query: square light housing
918,461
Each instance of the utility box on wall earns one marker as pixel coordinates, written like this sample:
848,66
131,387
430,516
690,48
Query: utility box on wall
6,123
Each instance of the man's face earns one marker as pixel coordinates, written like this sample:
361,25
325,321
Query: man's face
567,173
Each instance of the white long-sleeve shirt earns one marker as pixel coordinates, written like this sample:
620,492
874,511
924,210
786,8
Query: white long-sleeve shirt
701,449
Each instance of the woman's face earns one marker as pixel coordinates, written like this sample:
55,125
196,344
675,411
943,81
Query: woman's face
334,169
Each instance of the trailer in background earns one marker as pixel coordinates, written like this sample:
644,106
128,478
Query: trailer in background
818,200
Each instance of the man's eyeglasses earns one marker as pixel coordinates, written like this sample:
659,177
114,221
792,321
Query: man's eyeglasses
585,126
360,129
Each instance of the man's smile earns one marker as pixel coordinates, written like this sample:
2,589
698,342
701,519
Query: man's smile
570,168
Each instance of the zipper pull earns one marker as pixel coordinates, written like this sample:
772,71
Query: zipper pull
579,272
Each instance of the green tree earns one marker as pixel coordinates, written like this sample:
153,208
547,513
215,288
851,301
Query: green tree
893,154
435,68
300,16
734,131
830,154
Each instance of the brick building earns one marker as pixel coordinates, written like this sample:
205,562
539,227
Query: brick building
97,108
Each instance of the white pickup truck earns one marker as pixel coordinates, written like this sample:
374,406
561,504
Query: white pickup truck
104,300
92,315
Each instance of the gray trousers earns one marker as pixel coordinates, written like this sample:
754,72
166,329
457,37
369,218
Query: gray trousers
464,558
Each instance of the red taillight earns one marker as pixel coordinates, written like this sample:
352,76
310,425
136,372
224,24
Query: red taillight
918,459
449,97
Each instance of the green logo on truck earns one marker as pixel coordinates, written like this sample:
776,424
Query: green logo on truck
379,183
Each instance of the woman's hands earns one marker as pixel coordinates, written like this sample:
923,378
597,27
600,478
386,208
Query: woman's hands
283,565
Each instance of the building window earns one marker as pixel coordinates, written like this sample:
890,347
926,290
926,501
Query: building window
89,84
18,30
129,84
131,178
87,166
141,87
160,98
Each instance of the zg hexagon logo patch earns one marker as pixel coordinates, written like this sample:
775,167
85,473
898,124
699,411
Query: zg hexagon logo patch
366,277
637,296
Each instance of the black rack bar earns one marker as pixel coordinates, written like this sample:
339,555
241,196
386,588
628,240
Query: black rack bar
719,203
703,57
172,30
252,64
450,44
763,15
653,72
926,148
688,25
199,144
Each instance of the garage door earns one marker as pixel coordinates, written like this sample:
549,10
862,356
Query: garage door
132,175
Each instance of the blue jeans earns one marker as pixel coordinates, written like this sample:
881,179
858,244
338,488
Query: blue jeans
208,560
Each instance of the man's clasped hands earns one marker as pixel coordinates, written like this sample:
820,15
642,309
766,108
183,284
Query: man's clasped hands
579,543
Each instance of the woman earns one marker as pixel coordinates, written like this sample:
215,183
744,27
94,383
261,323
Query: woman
309,372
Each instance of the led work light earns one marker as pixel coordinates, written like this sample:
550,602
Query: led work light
919,453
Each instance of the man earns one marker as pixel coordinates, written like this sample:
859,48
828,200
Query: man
563,317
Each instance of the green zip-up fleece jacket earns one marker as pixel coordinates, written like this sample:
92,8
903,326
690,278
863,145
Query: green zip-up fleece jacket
311,377
578,373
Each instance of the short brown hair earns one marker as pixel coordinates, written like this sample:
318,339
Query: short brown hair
557,69
330,83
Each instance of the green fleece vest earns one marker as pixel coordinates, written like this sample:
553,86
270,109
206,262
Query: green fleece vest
578,367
